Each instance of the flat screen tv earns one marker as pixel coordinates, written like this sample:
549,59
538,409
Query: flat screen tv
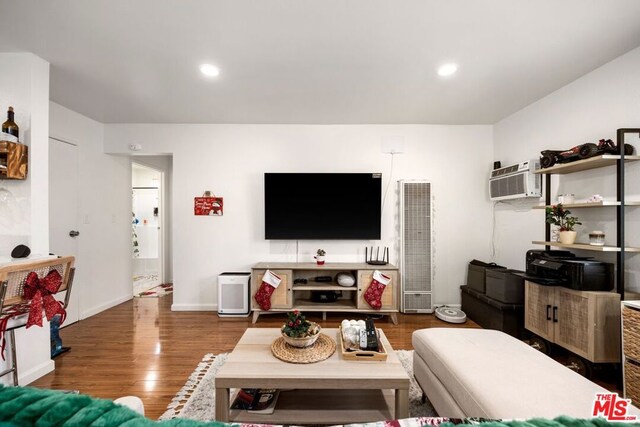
322,205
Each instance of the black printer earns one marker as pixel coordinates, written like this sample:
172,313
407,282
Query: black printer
563,268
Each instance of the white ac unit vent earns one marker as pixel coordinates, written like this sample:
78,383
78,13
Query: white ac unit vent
515,182
416,255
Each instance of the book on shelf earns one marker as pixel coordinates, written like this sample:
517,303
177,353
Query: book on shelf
256,400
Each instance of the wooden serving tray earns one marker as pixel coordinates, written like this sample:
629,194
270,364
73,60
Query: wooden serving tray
379,356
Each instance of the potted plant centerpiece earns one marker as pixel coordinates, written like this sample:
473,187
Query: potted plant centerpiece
561,217
320,256
298,331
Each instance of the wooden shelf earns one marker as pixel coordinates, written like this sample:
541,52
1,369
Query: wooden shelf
586,247
324,407
339,305
586,164
333,267
322,286
589,205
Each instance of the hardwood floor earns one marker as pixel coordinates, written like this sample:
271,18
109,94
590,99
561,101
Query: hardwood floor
142,348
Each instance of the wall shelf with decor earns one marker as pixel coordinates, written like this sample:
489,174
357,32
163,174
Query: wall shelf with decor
13,160
617,160
586,247
590,163
601,204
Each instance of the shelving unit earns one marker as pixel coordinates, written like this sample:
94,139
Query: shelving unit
619,161
290,295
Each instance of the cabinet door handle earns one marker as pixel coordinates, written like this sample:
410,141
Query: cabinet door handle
555,314
548,311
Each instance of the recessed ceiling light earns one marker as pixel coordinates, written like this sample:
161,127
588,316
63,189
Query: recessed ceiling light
447,69
209,70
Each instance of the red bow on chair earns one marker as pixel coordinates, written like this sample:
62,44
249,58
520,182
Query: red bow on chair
40,292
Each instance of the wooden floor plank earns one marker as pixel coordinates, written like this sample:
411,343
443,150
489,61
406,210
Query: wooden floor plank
142,348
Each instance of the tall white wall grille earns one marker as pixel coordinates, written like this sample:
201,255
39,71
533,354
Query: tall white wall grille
416,255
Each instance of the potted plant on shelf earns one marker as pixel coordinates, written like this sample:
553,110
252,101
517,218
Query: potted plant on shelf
320,256
298,331
561,217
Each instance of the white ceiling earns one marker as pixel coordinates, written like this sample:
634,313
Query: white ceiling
314,61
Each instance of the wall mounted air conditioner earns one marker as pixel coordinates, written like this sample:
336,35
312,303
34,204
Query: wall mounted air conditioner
515,182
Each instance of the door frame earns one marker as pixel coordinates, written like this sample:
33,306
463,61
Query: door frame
163,217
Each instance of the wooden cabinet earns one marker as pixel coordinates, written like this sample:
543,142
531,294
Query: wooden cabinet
586,323
291,295
389,296
539,303
631,350
281,297
13,160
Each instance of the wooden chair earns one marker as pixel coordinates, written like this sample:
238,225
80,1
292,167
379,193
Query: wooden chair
14,307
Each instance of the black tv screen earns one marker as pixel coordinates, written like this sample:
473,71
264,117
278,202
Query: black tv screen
322,205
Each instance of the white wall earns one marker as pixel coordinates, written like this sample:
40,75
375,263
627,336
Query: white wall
103,265
24,84
588,109
230,160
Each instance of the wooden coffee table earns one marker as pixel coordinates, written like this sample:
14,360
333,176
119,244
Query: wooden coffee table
334,391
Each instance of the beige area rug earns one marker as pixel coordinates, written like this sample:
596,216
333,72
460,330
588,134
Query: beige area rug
196,399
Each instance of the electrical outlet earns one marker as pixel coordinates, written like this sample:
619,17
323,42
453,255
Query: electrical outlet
86,219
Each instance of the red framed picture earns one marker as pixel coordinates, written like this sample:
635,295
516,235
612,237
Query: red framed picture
208,206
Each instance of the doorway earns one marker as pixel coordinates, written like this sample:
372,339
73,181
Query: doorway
147,247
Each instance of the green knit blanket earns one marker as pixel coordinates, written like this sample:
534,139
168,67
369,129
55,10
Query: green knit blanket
25,406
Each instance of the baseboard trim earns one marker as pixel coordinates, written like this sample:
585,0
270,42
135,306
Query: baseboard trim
194,307
26,378
102,307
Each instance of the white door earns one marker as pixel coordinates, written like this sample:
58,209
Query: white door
63,212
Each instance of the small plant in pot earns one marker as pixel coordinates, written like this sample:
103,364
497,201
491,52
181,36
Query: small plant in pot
320,256
298,331
561,217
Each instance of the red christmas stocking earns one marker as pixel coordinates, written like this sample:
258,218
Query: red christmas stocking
373,294
270,282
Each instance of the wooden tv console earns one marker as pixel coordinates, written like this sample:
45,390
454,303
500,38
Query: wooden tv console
297,296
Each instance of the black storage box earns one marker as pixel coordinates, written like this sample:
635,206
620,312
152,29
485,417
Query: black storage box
492,314
505,285
476,274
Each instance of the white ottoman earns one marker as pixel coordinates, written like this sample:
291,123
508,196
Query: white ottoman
487,373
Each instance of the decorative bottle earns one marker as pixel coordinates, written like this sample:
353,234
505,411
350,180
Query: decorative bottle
10,126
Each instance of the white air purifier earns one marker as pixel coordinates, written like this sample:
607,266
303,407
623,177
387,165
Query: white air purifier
233,294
